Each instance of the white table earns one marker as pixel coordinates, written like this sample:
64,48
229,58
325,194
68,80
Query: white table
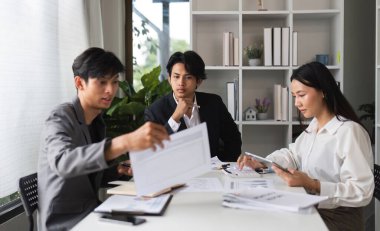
203,211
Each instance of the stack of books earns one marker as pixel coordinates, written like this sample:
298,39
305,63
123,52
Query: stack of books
277,46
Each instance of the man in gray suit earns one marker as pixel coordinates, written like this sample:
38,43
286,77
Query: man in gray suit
75,156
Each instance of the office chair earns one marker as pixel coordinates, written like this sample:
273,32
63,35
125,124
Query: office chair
377,181
29,196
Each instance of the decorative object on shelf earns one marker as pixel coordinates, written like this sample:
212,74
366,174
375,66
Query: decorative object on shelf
322,58
262,116
260,5
254,54
249,114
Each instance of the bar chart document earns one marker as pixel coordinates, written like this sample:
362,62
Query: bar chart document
185,156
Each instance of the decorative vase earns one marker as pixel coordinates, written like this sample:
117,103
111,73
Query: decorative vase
254,62
262,116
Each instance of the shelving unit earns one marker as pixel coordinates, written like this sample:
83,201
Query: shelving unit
320,31
377,108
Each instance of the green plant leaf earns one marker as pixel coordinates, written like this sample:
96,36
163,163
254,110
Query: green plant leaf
132,108
150,80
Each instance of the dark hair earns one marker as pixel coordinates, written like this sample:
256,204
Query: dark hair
96,62
316,75
192,61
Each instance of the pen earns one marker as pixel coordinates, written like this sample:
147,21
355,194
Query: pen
127,165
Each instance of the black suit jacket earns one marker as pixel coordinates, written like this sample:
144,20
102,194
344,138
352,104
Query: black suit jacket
224,136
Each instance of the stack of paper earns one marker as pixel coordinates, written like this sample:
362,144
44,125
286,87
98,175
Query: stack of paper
266,198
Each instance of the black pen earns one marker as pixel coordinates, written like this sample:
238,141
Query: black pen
127,165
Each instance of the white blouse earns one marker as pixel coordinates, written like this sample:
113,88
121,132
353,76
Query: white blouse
340,156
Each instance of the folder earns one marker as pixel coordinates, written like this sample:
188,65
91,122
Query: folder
118,204
277,102
226,48
128,188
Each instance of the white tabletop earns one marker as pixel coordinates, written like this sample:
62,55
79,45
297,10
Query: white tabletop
204,211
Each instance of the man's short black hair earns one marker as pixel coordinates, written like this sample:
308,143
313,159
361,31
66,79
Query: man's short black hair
192,61
96,62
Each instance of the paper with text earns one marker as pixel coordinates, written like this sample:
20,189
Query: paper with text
185,156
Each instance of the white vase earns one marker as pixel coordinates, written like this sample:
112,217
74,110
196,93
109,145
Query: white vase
262,116
254,62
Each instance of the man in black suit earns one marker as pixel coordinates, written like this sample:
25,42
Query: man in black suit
184,107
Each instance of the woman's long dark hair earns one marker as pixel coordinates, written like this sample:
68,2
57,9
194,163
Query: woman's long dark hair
317,76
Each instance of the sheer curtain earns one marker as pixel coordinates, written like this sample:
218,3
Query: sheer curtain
38,43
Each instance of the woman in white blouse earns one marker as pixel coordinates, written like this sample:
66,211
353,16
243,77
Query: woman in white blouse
333,156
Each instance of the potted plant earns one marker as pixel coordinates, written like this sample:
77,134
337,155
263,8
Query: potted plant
369,114
262,107
254,54
127,113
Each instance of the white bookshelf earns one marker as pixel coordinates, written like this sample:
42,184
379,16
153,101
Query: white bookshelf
320,31
377,108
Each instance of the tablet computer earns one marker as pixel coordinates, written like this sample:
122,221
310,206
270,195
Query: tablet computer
266,161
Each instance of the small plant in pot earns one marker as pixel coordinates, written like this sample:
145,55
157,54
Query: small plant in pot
262,107
254,54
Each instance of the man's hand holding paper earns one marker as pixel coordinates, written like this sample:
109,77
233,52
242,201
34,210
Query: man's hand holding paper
185,156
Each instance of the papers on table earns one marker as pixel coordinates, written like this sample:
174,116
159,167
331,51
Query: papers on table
135,205
216,163
233,185
264,198
234,171
185,156
203,184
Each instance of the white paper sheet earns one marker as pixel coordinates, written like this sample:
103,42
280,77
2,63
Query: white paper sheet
203,184
271,198
185,156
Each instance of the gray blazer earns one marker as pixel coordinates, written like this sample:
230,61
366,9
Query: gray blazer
66,158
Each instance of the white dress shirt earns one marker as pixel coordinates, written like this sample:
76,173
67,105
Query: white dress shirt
340,156
190,122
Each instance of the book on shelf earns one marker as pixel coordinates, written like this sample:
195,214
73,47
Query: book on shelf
280,103
284,104
226,48
236,51
276,46
267,46
232,99
277,102
285,39
295,48
230,49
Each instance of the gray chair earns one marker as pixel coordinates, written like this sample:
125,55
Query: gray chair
377,181
29,196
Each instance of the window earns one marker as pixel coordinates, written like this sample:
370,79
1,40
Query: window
160,27
39,43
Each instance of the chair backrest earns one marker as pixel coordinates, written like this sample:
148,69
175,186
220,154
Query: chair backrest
377,181
29,196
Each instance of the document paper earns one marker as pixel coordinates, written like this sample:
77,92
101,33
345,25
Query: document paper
185,156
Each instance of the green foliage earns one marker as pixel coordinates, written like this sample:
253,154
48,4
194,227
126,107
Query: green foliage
253,52
127,114
369,111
